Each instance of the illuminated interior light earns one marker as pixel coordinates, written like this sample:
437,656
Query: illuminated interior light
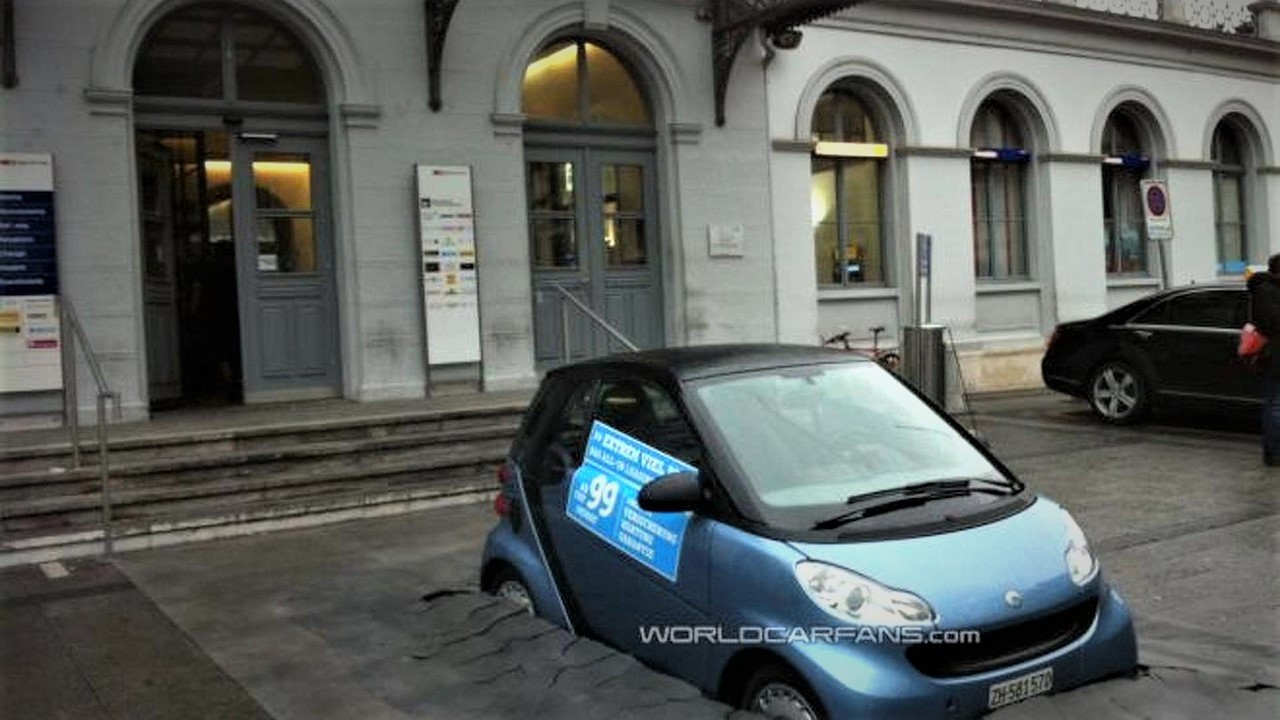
851,149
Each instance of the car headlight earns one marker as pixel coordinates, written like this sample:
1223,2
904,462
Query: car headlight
1081,564
850,596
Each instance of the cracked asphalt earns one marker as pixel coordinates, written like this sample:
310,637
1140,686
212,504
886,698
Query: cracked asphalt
380,619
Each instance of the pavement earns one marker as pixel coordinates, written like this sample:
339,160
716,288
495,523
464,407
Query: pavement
380,618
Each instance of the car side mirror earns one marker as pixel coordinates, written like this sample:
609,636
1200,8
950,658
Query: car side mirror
677,492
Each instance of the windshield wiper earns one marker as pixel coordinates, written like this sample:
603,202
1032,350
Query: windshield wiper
996,487
914,495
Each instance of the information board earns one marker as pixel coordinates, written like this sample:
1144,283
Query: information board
28,262
446,227
30,335
603,499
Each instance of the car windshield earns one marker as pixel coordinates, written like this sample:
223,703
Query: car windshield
812,437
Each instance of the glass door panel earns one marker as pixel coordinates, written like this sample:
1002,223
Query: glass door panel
284,224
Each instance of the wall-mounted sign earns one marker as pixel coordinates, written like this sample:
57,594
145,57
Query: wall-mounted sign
446,231
30,333
1156,209
726,240
28,261
924,254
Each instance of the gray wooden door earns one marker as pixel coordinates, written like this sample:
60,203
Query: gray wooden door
159,272
285,268
592,228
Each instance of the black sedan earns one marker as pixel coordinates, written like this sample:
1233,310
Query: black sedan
1173,347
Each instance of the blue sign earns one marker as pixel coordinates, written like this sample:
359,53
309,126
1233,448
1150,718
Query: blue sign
602,499
28,262
924,253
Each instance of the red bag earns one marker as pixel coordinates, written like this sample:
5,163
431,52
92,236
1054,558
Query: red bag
1251,341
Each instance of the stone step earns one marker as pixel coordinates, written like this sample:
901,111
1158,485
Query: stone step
131,444
67,510
18,486
233,520
207,481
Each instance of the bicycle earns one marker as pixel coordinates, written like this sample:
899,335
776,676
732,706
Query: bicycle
888,359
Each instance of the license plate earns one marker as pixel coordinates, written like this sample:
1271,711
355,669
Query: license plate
1020,688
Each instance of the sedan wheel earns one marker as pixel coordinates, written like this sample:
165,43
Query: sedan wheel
1117,393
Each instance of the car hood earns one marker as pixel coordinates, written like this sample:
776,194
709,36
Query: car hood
965,575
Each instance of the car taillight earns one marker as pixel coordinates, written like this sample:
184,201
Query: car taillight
501,504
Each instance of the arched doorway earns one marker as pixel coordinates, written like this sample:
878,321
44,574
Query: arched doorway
238,258
592,202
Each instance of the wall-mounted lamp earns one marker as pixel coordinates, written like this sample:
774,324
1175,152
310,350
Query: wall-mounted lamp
786,39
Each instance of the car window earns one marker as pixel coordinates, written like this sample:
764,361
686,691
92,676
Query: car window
646,411
1207,309
807,438
568,431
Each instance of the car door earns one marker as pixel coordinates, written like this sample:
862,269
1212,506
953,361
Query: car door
1191,340
617,595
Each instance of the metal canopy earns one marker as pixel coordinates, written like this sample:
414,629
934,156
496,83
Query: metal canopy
438,14
734,20
8,46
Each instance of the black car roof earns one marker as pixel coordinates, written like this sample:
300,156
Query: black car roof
699,361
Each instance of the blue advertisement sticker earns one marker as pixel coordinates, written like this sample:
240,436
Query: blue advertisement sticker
603,499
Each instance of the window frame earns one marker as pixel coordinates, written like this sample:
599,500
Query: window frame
1014,161
1134,166
841,166
1240,174
583,121
228,67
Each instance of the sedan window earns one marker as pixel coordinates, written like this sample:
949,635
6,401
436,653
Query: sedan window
1207,309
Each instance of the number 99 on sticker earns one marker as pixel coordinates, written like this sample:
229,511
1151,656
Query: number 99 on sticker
602,495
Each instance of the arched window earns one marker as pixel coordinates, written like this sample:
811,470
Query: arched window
847,190
1230,191
579,82
998,173
221,52
1125,162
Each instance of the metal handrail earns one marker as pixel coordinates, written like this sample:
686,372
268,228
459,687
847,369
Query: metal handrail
591,315
72,407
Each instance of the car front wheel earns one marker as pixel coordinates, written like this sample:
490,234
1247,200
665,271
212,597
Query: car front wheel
778,693
1118,393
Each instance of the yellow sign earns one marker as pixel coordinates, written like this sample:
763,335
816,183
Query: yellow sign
10,321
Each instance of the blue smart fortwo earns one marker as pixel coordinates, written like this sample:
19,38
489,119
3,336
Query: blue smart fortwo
796,532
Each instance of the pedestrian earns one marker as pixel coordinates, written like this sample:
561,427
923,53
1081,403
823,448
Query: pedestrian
1264,310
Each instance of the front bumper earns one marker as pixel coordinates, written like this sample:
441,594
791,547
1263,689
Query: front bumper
869,682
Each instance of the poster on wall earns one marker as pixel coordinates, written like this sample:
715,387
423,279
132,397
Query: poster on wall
446,230
30,335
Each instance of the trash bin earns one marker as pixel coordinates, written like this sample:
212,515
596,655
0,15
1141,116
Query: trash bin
924,360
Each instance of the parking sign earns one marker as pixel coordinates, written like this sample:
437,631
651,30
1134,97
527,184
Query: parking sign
1156,209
